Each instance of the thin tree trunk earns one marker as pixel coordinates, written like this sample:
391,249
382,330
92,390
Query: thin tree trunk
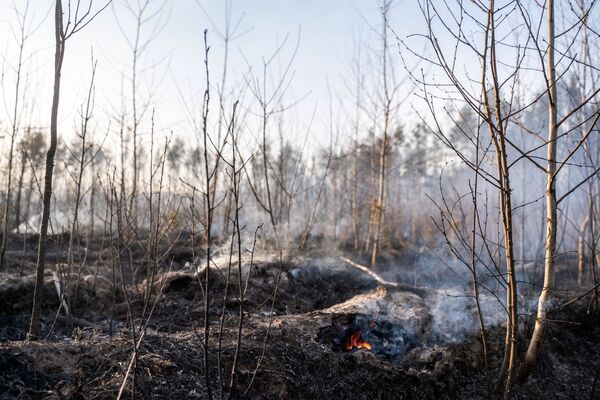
379,206
541,322
475,282
41,259
592,245
495,121
379,202
74,231
266,176
581,251
122,201
20,191
92,204
134,128
13,135
354,200
313,213
371,198
208,221
334,210
237,233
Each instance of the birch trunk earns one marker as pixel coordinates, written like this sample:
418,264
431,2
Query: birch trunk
537,337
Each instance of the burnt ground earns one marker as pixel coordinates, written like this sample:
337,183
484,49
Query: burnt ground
88,359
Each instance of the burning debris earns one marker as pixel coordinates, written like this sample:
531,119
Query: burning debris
385,322
361,332
396,323
355,342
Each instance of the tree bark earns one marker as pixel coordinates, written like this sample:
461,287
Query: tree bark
41,259
581,251
537,337
497,131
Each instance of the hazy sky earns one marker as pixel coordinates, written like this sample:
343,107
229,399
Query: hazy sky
328,31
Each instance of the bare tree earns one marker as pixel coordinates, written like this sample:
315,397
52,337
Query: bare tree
77,17
497,107
82,160
357,93
388,95
328,160
386,102
551,220
208,212
270,102
230,31
148,21
23,36
552,169
488,105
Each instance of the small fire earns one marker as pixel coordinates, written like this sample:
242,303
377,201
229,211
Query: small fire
355,341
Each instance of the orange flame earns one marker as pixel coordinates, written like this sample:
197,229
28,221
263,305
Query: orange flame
355,341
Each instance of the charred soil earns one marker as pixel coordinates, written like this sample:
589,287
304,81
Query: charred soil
281,356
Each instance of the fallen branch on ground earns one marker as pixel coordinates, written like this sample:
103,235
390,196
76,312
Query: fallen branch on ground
371,273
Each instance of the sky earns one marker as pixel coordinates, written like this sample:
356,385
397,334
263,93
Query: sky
171,70
327,32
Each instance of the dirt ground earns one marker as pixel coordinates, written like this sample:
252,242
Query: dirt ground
279,358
